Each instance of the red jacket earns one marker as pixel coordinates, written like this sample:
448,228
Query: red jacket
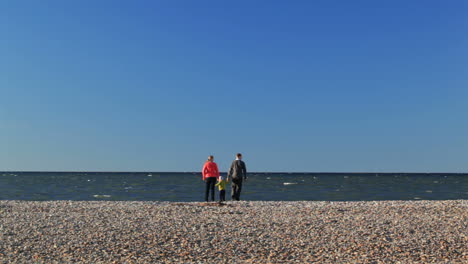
210,169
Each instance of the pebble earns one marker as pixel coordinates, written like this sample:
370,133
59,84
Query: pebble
234,232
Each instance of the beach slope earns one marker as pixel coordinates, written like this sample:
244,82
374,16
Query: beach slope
236,232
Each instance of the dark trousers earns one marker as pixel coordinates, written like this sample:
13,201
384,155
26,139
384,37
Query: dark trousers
210,187
236,187
222,195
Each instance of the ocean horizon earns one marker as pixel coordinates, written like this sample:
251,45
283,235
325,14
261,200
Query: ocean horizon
261,186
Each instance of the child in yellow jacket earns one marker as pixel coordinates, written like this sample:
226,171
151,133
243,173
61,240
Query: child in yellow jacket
222,188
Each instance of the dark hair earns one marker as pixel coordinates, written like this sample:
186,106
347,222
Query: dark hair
210,158
238,155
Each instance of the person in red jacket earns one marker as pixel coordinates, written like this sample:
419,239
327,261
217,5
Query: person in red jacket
210,175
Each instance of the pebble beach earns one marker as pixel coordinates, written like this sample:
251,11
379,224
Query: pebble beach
234,232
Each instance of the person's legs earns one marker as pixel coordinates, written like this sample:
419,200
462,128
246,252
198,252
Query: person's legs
207,188
236,188
210,185
239,189
233,190
213,182
222,195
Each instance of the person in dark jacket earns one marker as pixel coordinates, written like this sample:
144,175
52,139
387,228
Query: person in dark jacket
238,173
210,175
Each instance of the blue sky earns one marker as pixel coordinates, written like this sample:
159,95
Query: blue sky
293,85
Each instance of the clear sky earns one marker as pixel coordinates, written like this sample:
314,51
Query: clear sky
293,85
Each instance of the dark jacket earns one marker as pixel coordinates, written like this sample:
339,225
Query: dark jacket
237,170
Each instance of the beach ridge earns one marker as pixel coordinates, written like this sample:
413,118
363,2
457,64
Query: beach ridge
234,232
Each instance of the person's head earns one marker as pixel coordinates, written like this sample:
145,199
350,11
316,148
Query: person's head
239,156
210,158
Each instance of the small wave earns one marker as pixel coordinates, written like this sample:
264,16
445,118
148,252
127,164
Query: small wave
150,175
101,196
289,183
417,198
428,191
268,178
435,181
346,177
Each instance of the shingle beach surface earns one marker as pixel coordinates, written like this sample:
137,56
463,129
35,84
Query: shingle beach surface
236,232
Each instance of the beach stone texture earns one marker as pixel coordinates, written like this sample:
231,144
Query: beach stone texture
234,232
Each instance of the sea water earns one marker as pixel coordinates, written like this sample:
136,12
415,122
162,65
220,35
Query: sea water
159,186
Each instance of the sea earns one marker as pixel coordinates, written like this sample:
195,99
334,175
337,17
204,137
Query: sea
188,186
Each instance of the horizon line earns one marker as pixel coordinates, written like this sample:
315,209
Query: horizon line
253,172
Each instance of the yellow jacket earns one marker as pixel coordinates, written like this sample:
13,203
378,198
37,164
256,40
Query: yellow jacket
221,185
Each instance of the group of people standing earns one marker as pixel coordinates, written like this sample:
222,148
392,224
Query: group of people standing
236,175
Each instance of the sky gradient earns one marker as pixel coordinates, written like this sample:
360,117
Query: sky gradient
358,86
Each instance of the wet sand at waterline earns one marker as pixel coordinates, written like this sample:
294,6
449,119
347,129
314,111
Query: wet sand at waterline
234,232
